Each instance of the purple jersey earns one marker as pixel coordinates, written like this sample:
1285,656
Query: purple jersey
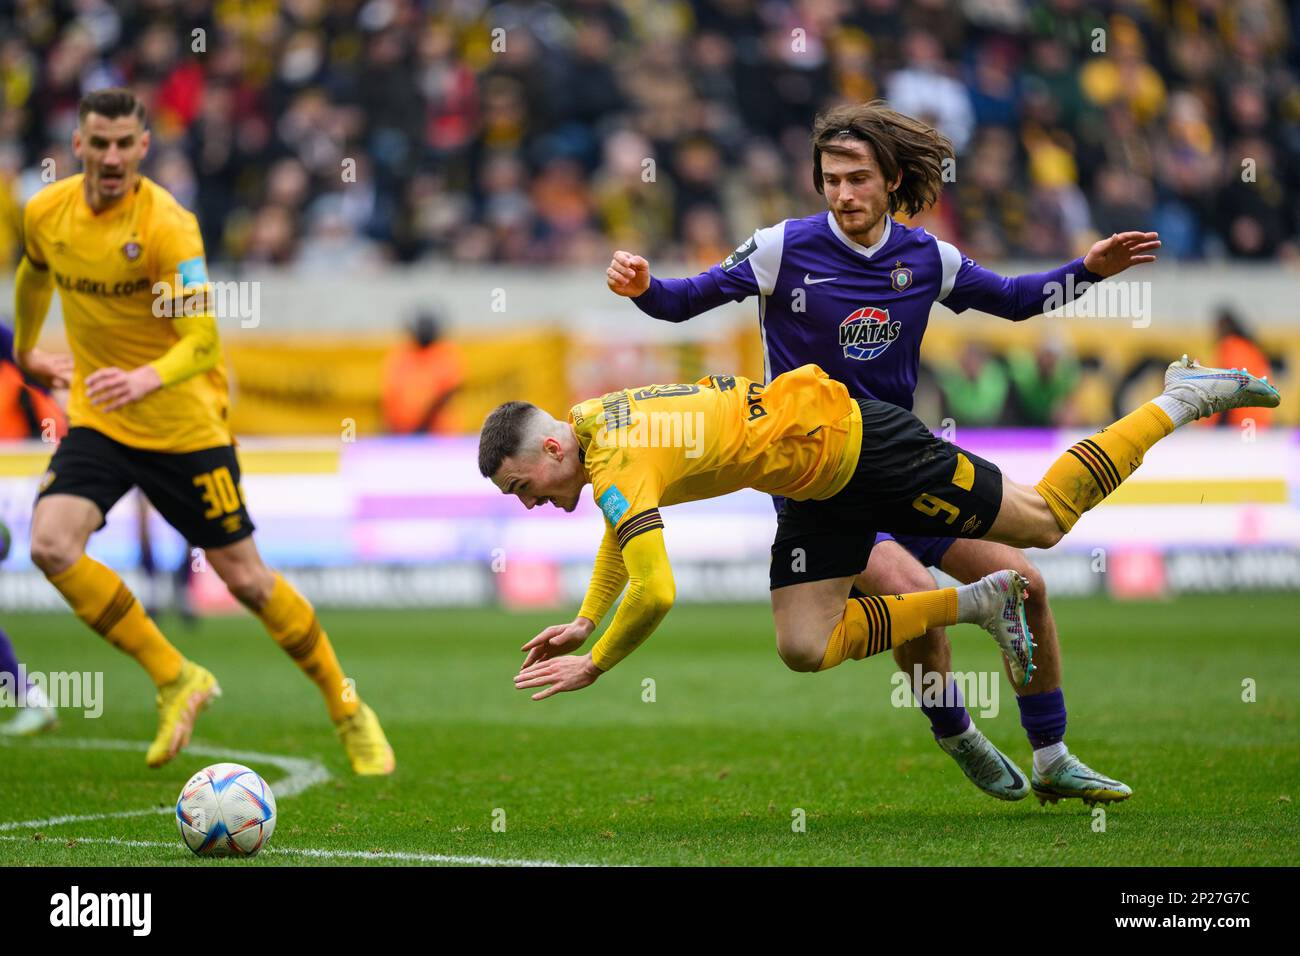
860,313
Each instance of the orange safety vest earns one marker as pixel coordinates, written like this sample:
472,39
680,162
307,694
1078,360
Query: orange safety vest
23,409
417,383
1236,352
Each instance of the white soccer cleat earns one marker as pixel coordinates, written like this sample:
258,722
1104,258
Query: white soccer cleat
1070,777
1214,390
1002,613
31,721
986,766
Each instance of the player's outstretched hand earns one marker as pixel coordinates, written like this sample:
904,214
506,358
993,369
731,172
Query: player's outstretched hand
51,369
111,388
556,640
561,673
1108,257
628,274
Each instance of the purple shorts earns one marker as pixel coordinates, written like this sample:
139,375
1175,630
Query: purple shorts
929,551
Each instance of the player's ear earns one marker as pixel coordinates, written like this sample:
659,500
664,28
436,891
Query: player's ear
144,144
76,142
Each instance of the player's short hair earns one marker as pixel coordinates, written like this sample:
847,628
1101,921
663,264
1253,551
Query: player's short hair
112,103
900,142
503,434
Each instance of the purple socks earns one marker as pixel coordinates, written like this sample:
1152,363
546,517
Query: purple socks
946,721
1043,717
8,659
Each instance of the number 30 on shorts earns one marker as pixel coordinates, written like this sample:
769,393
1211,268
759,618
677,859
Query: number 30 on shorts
219,492
932,506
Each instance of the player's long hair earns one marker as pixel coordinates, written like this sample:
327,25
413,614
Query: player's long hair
900,142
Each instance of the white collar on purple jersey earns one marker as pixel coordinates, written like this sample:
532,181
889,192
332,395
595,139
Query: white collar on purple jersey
857,246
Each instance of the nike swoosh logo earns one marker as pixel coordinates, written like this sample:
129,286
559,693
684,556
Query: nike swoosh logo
1017,782
809,280
1101,780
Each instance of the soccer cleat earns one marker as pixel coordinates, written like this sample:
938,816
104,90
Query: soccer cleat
30,721
1002,596
984,765
1214,390
365,743
1071,777
179,705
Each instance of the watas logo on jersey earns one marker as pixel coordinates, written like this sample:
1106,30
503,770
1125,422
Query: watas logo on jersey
868,332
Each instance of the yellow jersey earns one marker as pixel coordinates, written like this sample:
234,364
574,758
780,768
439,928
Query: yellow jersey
106,267
658,445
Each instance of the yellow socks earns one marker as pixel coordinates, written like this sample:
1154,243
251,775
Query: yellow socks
1093,468
874,624
291,620
99,598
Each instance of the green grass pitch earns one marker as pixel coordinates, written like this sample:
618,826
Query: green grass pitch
711,772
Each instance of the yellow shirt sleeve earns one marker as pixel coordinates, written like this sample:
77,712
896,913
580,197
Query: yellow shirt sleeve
31,237
650,595
608,577
33,290
178,251
33,284
180,264
197,350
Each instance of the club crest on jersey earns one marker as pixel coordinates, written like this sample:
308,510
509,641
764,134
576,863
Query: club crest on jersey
900,278
868,332
132,251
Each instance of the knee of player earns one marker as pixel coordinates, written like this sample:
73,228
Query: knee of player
1048,535
53,553
800,655
1037,585
248,584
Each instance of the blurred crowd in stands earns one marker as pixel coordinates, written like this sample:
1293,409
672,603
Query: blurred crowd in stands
333,135
1052,386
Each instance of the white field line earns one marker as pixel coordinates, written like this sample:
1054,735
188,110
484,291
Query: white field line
301,773
329,854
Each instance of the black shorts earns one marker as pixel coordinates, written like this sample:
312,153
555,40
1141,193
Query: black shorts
907,482
197,492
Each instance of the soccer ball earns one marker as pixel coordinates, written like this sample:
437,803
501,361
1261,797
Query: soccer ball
226,810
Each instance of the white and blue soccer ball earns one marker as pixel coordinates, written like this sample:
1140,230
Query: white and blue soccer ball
226,810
